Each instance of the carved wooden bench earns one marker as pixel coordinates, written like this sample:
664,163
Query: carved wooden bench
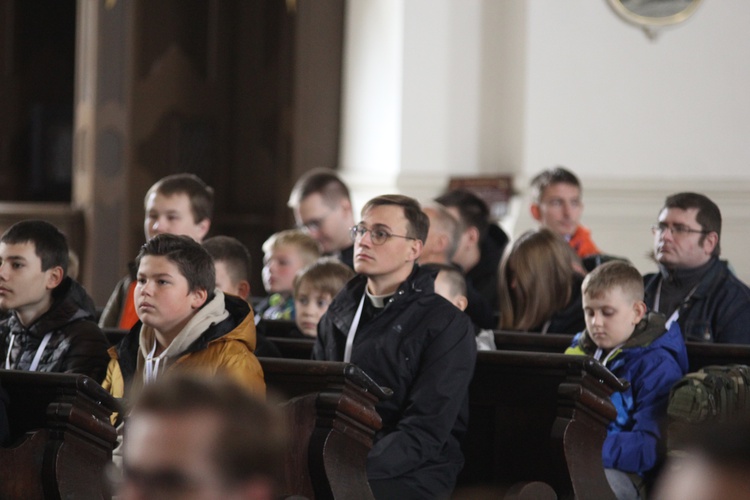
61,436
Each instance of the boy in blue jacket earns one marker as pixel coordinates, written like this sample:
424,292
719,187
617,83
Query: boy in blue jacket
641,348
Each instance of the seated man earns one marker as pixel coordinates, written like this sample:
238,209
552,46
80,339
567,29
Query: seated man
556,203
202,438
693,286
175,204
186,323
391,323
51,325
440,248
322,207
481,244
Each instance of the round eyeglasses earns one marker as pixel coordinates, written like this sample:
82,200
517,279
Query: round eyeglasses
378,236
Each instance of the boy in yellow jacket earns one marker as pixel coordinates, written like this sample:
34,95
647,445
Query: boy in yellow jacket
185,322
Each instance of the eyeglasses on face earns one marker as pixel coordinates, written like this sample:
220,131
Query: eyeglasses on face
313,225
378,235
676,229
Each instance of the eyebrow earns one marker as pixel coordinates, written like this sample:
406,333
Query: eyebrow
15,258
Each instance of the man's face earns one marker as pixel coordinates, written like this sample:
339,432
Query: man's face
172,215
163,300
328,225
611,318
685,250
24,287
559,208
170,456
392,257
309,305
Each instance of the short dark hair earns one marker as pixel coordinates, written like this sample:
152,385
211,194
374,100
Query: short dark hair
418,224
472,209
234,255
252,436
323,181
200,194
50,244
193,261
448,224
708,216
550,177
328,275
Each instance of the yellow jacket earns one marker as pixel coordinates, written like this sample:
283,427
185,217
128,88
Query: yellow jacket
225,347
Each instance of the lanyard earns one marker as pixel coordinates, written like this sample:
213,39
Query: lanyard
353,330
599,352
676,314
37,356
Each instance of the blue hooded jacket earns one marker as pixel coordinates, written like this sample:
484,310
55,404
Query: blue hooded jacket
652,360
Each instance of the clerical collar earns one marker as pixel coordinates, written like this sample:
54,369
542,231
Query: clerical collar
377,301
685,276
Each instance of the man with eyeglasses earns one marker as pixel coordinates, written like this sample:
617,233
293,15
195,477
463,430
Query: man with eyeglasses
322,206
389,321
693,286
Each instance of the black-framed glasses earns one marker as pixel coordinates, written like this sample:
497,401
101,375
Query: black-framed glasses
676,230
378,235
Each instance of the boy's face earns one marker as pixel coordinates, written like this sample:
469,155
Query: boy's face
309,305
24,287
279,268
172,215
611,318
163,300
559,208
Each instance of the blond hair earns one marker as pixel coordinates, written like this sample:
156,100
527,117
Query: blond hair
327,275
616,273
308,248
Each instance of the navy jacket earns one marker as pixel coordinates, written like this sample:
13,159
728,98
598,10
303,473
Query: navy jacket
718,310
423,348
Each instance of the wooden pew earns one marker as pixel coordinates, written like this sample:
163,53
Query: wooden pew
293,348
700,354
277,327
333,420
61,436
538,417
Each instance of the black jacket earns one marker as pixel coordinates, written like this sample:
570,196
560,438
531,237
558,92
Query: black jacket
484,275
718,310
423,348
77,345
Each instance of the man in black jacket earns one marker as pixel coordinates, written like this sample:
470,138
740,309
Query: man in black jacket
693,286
389,321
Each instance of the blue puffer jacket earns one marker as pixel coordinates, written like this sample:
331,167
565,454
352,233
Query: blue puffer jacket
652,360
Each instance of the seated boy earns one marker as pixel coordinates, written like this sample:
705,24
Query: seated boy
286,253
51,324
232,265
185,322
314,289
175,204
635,346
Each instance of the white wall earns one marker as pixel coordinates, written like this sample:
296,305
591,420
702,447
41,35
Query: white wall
514,86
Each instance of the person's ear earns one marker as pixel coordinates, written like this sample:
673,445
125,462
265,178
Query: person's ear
198,297
415,250
243,287
55,275
461,302
346,205
473,235
710,241
203,227
640,309
535,212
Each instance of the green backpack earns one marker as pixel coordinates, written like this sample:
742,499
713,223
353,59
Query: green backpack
713,393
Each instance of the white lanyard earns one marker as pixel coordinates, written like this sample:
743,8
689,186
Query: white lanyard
353,330
599,352
152,364
676,314
37,356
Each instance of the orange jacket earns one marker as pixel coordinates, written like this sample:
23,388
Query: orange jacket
582,243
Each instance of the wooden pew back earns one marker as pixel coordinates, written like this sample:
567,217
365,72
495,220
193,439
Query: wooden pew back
61,436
